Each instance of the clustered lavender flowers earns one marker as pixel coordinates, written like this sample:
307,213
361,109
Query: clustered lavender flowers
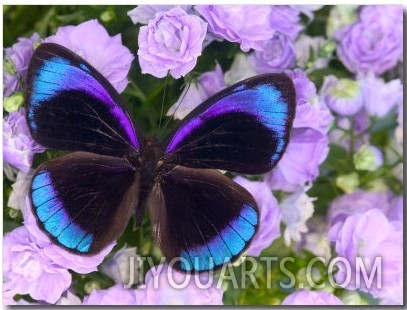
335,194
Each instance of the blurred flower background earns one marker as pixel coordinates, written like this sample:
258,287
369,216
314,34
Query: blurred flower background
336,193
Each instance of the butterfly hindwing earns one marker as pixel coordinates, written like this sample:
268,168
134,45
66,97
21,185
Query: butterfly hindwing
83,201
201,217
71,106
244,128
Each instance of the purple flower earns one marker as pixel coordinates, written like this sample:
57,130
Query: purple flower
247,25
166,286
380,97
306,297
357,202
16,60
371,236
58,255
28,270
343,96
20,187
115,295
375,42
143,13
311,110
270,214
91,41
18,146
277,54
285,19
172,42
195,93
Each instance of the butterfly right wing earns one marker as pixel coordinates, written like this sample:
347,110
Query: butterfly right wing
71,106
201,218
83,201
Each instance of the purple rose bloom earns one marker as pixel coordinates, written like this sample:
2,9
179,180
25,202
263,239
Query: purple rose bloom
20,191
115,295
171,42
375,42
308,138
358,202
285,19
143,13
195,93
311,111
371,236
380,97
270,215
306,297
28,270
277,55
91,41
18,57
247,25
343,96
58,255
18,145
166,286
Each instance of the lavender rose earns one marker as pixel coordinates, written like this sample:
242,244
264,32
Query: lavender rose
375,42
247,25
18,145
115,295
91,41
285,19
358,236
28,270
172,42
343,96
16,60
277,55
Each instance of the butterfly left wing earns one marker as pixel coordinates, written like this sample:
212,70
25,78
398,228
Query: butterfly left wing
201,217
245,128
83,201
71,106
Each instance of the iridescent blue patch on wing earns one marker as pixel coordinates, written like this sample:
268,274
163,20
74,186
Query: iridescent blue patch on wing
230,242
264,102
50,211
58,74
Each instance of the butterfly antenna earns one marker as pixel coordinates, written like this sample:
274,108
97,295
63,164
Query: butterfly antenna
162,101
179,104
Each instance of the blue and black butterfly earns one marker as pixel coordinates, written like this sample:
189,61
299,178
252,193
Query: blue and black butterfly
85,199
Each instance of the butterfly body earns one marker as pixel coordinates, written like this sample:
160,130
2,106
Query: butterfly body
200,218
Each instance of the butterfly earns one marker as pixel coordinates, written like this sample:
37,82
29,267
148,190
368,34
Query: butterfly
201,218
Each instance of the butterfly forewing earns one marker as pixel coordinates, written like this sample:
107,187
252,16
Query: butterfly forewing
84,200
201,218
244,128
71,106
